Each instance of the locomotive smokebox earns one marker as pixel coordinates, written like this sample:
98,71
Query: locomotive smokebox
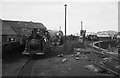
34,41
34,44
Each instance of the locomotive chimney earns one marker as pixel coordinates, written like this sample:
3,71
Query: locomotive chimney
34,33
81,28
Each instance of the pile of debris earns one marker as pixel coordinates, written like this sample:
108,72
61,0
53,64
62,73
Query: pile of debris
80,53
94,68
82,50
60,55
104,66
64,59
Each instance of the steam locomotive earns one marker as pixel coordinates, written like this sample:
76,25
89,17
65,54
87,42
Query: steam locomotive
38,43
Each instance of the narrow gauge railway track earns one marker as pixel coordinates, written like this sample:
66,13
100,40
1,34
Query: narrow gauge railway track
116,72
26,68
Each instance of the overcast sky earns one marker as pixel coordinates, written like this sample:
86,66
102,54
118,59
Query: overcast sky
96,16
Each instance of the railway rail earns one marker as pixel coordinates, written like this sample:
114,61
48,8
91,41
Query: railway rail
26,68
116,72
102,65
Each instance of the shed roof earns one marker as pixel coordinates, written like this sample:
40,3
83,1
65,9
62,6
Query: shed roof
23,24
7,30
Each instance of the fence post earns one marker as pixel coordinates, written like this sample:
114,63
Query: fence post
109,47
99,46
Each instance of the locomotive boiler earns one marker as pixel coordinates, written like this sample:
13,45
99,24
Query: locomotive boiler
39,42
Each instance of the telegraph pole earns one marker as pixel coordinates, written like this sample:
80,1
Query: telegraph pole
65,17
65,26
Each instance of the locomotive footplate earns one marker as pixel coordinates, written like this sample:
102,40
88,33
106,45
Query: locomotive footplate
37,52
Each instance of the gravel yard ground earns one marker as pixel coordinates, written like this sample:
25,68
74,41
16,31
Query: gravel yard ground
70,59
11,67
55,66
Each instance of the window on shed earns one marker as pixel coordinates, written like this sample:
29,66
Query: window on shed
11,39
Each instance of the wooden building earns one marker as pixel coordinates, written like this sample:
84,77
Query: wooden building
22,29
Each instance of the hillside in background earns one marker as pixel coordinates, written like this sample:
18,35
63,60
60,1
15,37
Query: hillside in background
109,32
